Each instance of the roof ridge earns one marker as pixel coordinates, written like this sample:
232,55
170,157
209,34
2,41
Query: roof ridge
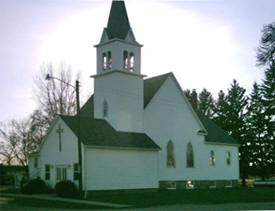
169,73
152,85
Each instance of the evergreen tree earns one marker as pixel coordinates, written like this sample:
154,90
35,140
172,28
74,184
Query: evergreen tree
206,103
256,145
235,123
266,50
221,110
229,115
268,92
192,97
268,89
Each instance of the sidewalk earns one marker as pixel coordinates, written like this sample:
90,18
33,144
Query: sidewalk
55,198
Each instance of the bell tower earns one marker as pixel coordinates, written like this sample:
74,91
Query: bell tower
118,48
118,83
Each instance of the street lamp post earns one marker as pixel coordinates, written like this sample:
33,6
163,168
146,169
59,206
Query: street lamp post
76,88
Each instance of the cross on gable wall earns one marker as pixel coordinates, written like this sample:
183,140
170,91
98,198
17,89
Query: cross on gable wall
59,131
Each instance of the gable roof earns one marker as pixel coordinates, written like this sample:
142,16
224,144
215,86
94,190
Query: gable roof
152,85
87,110
215,133
118,23
97,132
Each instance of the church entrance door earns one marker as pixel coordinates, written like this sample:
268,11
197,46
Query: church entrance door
61,173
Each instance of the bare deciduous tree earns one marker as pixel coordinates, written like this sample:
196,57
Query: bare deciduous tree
15,142
54,97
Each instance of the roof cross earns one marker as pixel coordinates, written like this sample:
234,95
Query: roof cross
59,131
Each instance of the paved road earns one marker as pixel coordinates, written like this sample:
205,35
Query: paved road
5,206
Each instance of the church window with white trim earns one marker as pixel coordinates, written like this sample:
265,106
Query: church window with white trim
212,158
189,156
105,108
228,158
171,163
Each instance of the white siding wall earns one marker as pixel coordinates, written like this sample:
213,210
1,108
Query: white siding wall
167,117
120,169
33,172
124,94
50,152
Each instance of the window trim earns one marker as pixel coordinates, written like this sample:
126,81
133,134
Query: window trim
61,173
105,109
230,184
228,158
170,155
76,171
213,186
190,147
47,172
212,158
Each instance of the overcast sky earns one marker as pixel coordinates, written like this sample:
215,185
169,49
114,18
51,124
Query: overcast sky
205,43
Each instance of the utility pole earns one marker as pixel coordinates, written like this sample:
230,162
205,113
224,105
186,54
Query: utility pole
76,88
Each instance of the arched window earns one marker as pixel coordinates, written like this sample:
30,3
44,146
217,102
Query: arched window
171,163
228,158
189,156
212,158
132,62
104,61
125,59
105,108
109,60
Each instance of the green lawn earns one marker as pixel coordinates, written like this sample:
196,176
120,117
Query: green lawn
7,202
195,196
161,197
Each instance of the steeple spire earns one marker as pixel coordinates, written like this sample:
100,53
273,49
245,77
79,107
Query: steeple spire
118,48
118,23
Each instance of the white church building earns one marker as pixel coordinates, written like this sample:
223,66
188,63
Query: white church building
136,132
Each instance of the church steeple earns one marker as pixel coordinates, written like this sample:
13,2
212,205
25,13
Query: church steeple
118,23
118,48
118,84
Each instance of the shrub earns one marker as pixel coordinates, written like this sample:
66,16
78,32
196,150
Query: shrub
66,188
49,189
34,186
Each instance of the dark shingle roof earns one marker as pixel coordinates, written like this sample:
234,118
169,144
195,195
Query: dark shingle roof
118,23
87,110
97,132
215,133
152,85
